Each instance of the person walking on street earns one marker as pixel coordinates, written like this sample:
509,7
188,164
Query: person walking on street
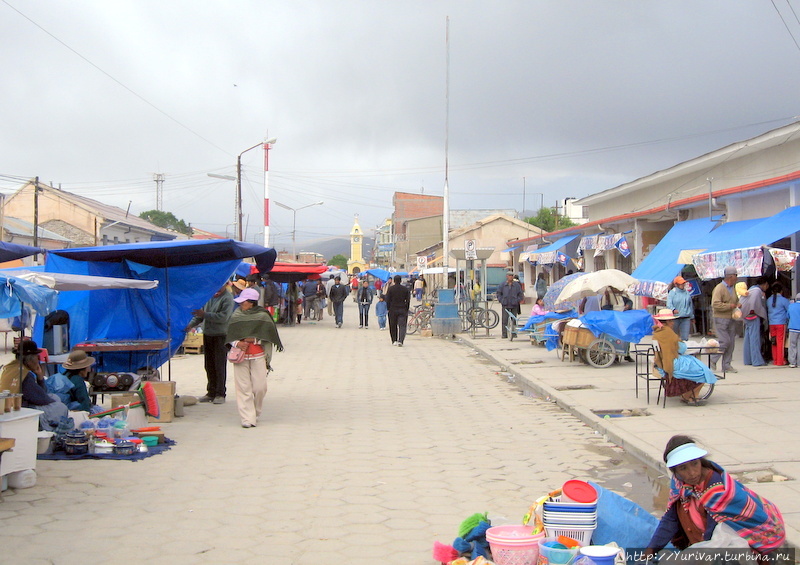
328,285
778,312
541,286
754,310
378,287
794,332
337,296
380,312
510,296
214,317
320,299
309,299
398,301
365,297
354,288
680,302
723,302
253,331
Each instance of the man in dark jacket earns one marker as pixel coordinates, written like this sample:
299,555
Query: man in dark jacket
509,295
214,316
398,299
364,297
337,296
309,299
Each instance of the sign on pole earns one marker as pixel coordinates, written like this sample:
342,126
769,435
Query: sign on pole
470,249
422,262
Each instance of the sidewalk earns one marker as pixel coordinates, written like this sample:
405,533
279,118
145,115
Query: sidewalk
750,424
365,453
368,453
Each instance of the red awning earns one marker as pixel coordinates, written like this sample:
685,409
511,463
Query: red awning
293,272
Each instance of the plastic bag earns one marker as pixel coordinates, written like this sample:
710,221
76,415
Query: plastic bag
712,551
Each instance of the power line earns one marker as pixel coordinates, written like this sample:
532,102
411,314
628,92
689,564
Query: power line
120,83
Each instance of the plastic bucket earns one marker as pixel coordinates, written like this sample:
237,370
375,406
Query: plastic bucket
514,545
555,556
600,554
578,491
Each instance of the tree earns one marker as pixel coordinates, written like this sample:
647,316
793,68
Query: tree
166,220
339,261
545,219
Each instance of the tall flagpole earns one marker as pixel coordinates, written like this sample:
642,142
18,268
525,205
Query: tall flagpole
446,200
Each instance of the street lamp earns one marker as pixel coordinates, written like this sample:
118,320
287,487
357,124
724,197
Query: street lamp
294,220
238,178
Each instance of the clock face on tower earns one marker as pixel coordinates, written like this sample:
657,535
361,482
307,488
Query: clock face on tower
356,239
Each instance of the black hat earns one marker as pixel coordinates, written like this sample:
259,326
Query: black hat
27,347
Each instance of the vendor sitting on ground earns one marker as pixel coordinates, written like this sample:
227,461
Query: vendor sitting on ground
77,368
684,373
538,308
32,385
703,495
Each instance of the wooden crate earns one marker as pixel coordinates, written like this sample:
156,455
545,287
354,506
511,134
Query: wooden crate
578,337
193,343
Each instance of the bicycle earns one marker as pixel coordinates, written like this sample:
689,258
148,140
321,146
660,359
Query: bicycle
420,319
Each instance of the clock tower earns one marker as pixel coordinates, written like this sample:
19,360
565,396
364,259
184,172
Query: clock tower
356,263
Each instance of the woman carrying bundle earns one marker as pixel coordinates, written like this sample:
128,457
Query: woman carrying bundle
252,331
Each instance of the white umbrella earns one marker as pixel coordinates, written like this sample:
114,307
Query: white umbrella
62,281
595,283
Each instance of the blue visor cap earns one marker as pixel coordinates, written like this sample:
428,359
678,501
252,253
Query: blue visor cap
684,453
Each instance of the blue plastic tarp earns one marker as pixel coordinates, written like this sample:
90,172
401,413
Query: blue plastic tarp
630,325
661,264
549,316
11,251
763,232
175,253
16,291
556,245
622,521
144,314
383,274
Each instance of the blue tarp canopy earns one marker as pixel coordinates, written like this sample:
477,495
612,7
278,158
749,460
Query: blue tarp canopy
555,246
16,291
383,274
175,253
762,232
188,272
509,249
661,264
12,251
630,325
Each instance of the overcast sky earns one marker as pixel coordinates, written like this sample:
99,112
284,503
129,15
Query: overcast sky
573,96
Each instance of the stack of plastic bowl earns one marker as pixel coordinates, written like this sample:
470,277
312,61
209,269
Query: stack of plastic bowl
514,545
573,514
554,552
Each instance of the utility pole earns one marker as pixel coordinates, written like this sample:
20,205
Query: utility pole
36,216
555,215
159,178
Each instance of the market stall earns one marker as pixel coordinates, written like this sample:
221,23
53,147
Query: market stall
188,274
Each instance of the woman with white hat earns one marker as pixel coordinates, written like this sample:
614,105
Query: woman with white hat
685,375
703,496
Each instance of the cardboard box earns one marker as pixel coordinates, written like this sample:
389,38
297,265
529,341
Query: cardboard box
165,390
118,400
166,401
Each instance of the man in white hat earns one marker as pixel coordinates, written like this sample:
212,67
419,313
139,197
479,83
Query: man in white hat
723,302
